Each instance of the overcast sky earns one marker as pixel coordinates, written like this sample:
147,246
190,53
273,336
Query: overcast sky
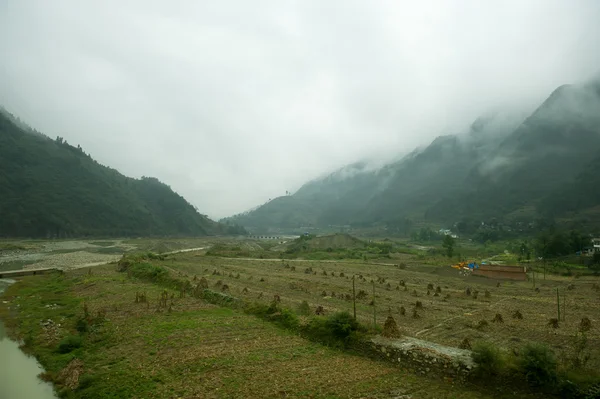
234,102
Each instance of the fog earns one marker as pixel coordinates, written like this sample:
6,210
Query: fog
234,102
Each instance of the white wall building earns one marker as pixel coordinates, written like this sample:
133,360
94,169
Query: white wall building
596,243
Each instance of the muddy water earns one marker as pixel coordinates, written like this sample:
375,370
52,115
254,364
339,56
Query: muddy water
18,372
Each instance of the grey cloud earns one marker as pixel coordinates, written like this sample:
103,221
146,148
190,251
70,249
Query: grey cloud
235,102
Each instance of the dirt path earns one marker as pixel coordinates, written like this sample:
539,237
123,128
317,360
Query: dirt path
312,260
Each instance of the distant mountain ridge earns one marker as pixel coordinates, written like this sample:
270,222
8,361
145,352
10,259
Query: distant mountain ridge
506,169
50,188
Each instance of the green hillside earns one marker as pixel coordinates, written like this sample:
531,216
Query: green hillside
53,189
542,168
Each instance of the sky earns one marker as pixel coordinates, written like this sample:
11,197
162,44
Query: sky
234,102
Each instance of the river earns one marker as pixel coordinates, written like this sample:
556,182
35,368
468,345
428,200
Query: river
19,372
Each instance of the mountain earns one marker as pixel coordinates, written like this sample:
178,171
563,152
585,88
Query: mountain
536,161
53,189
510,169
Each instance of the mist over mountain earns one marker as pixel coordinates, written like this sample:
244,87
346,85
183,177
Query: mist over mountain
517,169
53,189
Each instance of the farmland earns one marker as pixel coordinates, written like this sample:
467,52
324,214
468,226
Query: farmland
446,318
192,350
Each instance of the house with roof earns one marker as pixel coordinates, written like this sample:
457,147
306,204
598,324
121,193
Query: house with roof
596,244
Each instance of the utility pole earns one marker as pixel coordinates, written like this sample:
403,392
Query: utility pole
564,313
354,295
558,303
374,307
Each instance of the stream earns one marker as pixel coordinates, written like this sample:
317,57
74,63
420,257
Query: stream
19,372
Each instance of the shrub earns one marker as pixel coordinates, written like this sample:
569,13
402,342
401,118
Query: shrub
538,363
580,355
82,325
285,318
304,309
147,271
488,359
69,343
219,298
338,330
85,381
258,309
342,324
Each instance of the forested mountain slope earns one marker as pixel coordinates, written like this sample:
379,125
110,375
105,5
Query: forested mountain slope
49,188
539,167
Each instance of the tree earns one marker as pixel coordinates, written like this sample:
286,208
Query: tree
448,244
595,265
578,241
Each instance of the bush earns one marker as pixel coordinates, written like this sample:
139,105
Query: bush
85,381
286,319
337,330
488,359
538,363
69,343
220,298
257,309
342,324
82,325
147,271
304,309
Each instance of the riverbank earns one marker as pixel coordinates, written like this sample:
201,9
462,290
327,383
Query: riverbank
100,333
69,254
19,372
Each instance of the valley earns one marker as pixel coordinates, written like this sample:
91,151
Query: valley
181,342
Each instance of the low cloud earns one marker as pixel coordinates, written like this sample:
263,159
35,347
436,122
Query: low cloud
235,102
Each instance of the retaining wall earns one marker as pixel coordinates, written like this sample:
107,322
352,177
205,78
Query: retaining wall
422,357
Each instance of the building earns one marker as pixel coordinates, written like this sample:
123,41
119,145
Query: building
596,244
502,272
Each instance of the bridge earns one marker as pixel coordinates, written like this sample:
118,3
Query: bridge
267,237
